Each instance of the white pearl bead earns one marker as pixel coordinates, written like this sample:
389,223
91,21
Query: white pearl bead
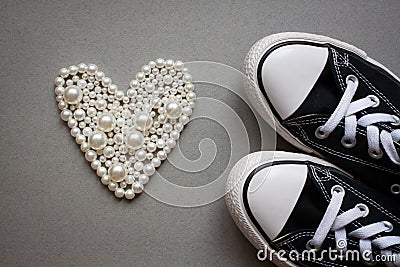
143,178
156,162
100,104
85,147
171,143
91,112
75,131
134,139
129,194
138,166
63,72
178,127
187,78
119,95
189,87
105,179
112,186
119,193
106,122
82,67
178,65
174,134
134,84
79,114
92,68
90,155
108,152
187,111
173,109
168,79
160,143
99,75
73,70
169,63
146,69
73,94
66,114
80,138
117,172
137,187
59,81
161,155
148,169
101,171
140,155
98,140
184,119
140,76
151,147
143,121
160,62
95,164
191,96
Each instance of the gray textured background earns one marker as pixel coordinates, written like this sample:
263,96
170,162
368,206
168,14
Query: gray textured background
53,209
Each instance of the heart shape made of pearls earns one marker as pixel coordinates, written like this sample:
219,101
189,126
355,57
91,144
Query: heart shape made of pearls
126,137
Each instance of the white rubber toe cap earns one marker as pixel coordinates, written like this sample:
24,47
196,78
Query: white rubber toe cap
289,73
273,193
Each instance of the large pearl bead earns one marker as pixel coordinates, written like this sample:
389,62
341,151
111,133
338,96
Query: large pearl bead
106,122
143,121
134,139
73,94
117,172
98,140
173,109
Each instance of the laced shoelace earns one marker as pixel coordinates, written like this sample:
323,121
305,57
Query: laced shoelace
337,223
346,109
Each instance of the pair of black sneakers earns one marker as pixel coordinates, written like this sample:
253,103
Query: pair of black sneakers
342,207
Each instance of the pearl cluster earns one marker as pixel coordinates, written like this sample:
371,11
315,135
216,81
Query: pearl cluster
126,137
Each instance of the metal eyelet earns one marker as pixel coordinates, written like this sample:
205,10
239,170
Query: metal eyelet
397,120
388,225
374,99
348,143
310,246
395,188
352,78
321,134
375,154
337,189
364,208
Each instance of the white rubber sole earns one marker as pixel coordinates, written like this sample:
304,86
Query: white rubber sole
234,194
255,95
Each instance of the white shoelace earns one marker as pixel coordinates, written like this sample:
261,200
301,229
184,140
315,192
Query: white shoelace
337,223
347,109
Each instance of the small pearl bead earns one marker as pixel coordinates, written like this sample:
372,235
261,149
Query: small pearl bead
138,166
143,178
101,171
95,164
156,162
137,187
105,180
63,72
112,186
117,172
119,193
59,81
73,70
178,65
129,194
92,69
160,62
149,169
82,67
66,114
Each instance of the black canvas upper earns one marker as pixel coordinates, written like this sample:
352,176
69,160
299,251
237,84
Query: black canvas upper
311,207
322,101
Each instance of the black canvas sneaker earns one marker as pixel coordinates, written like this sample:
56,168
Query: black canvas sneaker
298,210
329,98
